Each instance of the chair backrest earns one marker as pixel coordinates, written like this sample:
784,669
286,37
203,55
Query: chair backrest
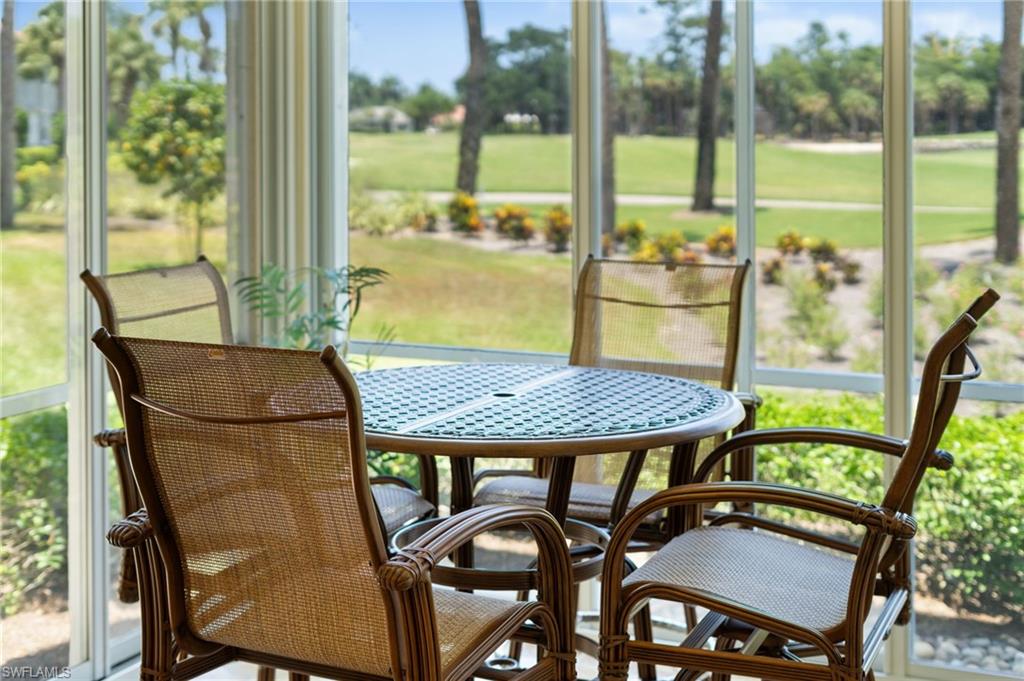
184,303
941,376
252,466
677,319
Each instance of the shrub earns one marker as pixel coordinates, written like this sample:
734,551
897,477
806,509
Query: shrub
668,243
647,252
33,480
722,242
823,250
558,228
376,218
39,183
607,245
790,243
771,271
464,214
850,269
27,156
825,276
417,213
813,318
514,222
631,234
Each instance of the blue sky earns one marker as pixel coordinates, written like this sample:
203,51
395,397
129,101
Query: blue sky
425,40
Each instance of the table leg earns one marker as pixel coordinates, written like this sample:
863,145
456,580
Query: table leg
462,500
560,487
680,472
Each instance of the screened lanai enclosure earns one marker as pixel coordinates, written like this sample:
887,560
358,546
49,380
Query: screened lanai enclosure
484,339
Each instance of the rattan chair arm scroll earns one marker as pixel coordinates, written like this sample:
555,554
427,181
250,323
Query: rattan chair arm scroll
882,444
875,518
131,531
413,563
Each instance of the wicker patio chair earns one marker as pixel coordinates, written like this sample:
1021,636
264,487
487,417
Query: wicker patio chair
666,318
189,303
777,594
251,464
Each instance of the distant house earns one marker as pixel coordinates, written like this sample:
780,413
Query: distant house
379,119
450,119
38,99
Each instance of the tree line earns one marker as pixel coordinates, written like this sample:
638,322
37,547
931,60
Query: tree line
821,86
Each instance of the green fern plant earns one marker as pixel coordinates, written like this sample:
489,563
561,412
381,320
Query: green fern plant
277,293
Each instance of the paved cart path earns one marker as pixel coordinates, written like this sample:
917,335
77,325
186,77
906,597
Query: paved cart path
680,201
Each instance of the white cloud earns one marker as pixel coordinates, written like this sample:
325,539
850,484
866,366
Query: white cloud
958,22
633,27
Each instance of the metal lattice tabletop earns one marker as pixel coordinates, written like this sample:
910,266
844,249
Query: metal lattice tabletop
534,410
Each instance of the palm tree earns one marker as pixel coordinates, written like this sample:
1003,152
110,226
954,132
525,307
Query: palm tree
1008,135
40,48
173,13
208,54
473,123
858,106
707,112
132,62
7,135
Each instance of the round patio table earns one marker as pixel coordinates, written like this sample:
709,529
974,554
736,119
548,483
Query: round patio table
535,411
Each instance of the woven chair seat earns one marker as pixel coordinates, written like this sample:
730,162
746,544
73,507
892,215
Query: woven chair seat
465,619
789,581
399,505
588,501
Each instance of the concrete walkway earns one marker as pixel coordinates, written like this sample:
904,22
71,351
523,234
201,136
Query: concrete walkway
682,202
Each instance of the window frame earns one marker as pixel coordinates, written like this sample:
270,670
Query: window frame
86,247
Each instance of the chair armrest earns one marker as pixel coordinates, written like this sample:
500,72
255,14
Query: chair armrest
411,566
110,438
392,480
892,523
883,444
131,531
500,473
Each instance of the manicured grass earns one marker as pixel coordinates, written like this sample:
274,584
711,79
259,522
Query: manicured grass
32,285
664,165
32,309
454,294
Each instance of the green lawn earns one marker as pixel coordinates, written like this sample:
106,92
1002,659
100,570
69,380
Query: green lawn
664,165
32,332
454,294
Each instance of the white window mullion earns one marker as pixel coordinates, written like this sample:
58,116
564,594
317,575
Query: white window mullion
897,251
586,132
746,231
86,247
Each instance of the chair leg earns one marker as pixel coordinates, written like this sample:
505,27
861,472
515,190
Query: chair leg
722,643
265,674
643,630
157,653
295,676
